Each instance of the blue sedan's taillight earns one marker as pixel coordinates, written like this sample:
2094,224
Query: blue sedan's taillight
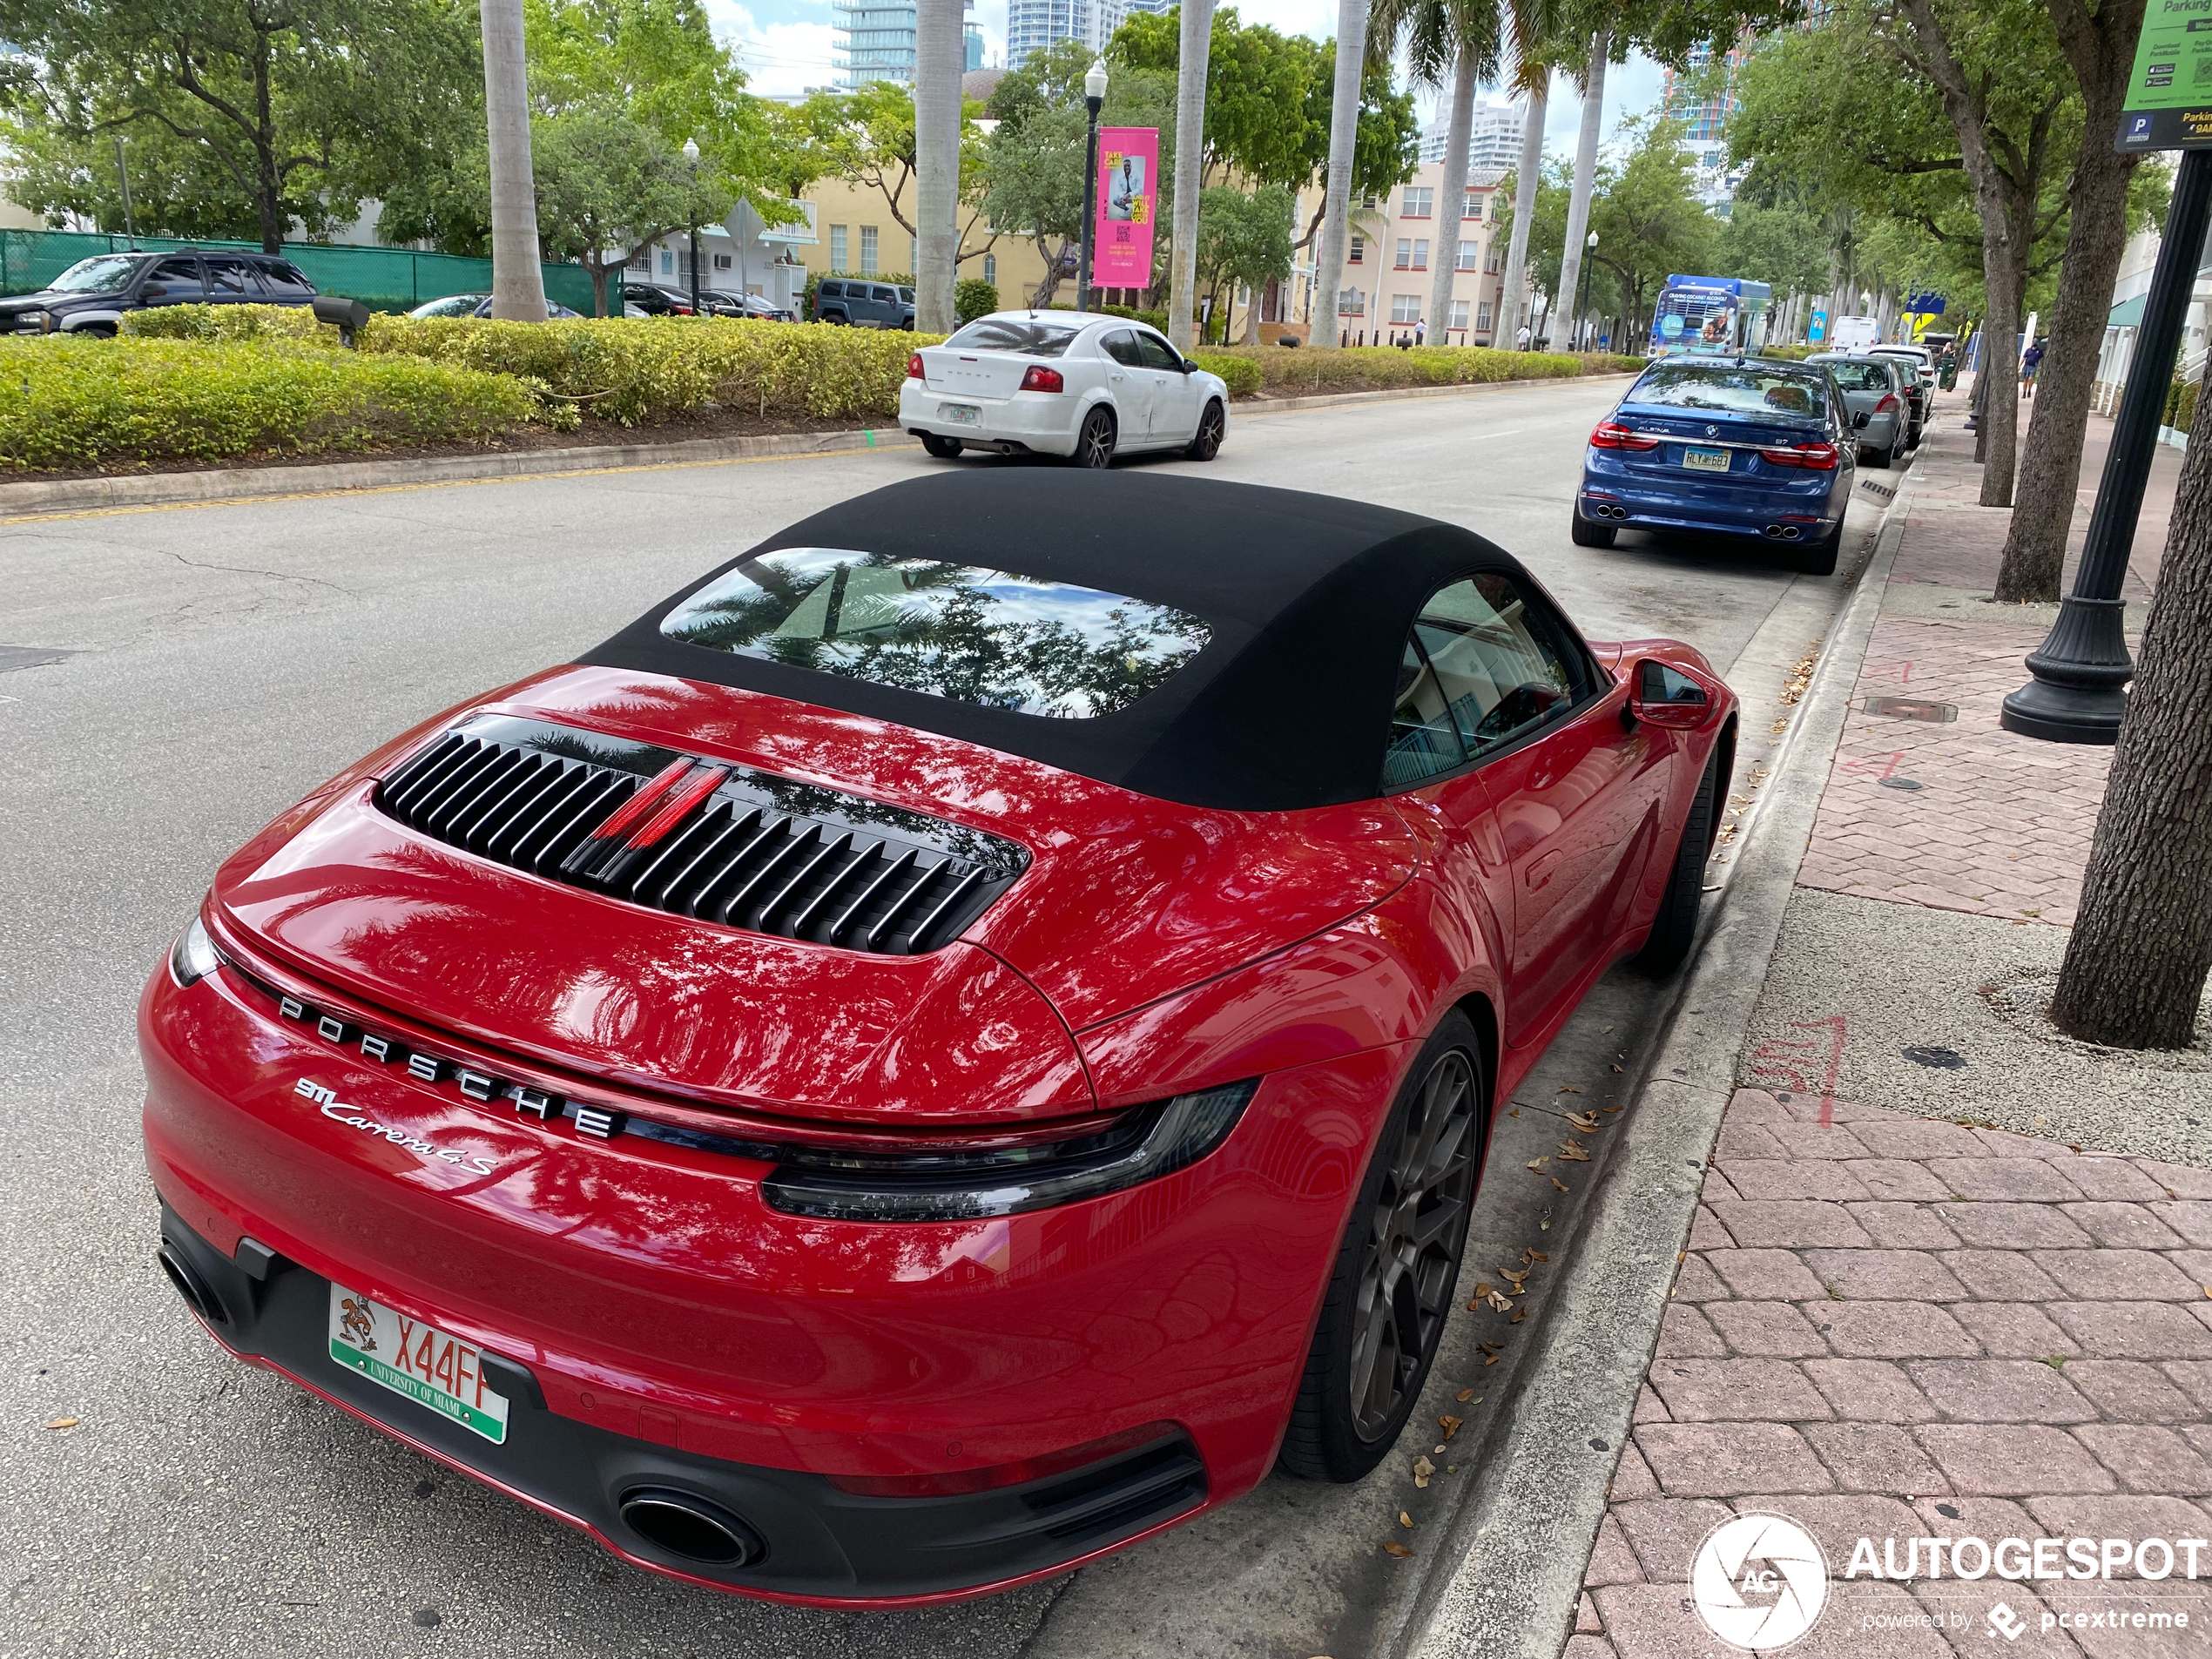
1611,434
1814,457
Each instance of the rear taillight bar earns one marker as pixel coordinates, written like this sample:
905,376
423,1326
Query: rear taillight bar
1611,434
1814,457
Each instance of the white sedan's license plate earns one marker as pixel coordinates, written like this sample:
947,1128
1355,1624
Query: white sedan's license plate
418,1361
1705,459
959,413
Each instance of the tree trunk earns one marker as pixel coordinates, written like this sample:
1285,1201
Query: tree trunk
1194,52
1578,204
1450,193
2005,282
2136,965
1344,132
518,282
940,56
2101,51
269,195
1513,307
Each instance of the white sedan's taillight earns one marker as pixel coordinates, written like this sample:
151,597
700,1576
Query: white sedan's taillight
913,368
1041,379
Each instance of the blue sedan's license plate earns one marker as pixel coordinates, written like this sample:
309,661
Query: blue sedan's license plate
964,414
1705,459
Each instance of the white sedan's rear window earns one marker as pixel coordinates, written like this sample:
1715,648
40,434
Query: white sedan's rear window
952,631
1031,336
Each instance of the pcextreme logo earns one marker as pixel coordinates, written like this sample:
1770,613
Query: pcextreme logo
1759,1581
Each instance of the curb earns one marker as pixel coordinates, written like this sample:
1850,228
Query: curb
1522,1546
247,483
221,484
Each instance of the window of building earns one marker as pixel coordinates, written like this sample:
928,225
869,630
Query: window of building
1405,307
1459,313
1404,252
643,261
667,263
1473,207
868,239
1470,255
991,269
1419,202
1359,251
722,261
1490,259
840,245
1481,316
1420,254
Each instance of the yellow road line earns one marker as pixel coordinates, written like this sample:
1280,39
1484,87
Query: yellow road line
438,483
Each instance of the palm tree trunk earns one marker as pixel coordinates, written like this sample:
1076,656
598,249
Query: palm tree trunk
1194,48
1512,299
940,56
517,282
1578,205
1452,198
1344,131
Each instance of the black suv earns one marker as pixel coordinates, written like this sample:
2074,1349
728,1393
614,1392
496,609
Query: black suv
656,301
90,297
864,305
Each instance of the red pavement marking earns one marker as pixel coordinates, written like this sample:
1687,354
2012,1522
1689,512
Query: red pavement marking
1772,1066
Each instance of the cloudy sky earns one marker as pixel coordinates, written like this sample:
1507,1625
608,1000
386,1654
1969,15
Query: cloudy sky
785,47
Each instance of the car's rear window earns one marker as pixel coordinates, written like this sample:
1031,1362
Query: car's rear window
1734,388
960,631
1031,336
1860,377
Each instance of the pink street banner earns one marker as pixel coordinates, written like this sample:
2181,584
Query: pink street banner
1128,195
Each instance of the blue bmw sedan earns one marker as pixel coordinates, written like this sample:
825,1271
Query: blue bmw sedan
1742,447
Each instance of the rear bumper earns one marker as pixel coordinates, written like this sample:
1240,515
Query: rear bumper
1815,509
1042,422
821,1544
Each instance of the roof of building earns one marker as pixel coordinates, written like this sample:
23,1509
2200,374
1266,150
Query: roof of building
981,83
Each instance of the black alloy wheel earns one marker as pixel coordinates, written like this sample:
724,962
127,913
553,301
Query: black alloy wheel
1095,444
942,449
1390,1292
1207,444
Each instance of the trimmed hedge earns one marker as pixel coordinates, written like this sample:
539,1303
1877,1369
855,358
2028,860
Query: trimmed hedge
1286,374
90,402
228,322
1240,373
2181,404
634,372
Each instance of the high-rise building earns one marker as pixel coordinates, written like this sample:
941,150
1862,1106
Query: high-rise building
875,41
1032,26
1705,108
1494,142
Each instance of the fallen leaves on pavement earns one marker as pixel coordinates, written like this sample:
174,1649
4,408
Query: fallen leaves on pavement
1422,1469
1392,1547
1584,1121
65,1422
1572,1152
1449,1424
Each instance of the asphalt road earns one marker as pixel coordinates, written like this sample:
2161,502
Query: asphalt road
221,662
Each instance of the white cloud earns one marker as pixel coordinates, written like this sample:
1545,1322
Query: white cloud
788,52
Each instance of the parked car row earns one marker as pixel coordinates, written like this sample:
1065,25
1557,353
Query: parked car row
92,295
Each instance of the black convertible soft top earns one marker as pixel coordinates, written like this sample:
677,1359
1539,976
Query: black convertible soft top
1308,598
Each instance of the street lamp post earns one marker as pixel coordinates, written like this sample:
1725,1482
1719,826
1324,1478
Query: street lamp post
123,178
1582,300
691,157
1094,96
2081,671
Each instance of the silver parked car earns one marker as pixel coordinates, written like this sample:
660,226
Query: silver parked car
1875,387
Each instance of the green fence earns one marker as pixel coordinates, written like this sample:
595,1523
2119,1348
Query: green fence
385,278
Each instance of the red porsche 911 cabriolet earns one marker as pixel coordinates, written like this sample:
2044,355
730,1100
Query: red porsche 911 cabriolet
960,1040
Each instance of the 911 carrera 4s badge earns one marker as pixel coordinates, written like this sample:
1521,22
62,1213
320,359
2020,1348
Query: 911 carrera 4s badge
339,1112
426,1364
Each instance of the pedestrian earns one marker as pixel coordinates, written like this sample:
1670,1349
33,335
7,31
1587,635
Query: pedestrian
1520,340
1420,331
2030,361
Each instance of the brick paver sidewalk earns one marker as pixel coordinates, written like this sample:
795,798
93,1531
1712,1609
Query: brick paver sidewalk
1890,1328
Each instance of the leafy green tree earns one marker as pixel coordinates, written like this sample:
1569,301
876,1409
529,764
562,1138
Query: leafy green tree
1648,220
607,187
1244,240
258,114
1258,82
866,138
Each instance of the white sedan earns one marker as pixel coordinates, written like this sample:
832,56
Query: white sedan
1061,383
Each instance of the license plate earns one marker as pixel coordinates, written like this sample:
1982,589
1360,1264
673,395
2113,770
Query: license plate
959,413
418,1361
1705,459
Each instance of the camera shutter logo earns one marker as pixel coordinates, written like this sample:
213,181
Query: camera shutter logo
1759,1582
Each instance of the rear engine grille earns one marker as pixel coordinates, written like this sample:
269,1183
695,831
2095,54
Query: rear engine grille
705,839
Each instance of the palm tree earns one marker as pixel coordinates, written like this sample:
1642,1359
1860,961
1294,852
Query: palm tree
518,282
1578,204
1466,37
1195,48
940,56
1533,79
1343,133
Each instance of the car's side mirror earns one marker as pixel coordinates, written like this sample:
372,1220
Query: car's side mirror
1859,420
1661,694
154,291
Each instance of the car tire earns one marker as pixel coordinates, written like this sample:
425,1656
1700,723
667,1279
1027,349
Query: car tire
1094,440
1585,534
96,331
1814,558
1381,1318
1674,929
1206,444
834,321
1878,459
940,448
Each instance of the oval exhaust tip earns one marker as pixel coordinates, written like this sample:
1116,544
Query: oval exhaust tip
690,1527
199,1295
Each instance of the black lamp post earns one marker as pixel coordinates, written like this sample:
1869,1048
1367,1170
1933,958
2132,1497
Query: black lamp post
691,156
1582,300
2081,671
123,179
1094,96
